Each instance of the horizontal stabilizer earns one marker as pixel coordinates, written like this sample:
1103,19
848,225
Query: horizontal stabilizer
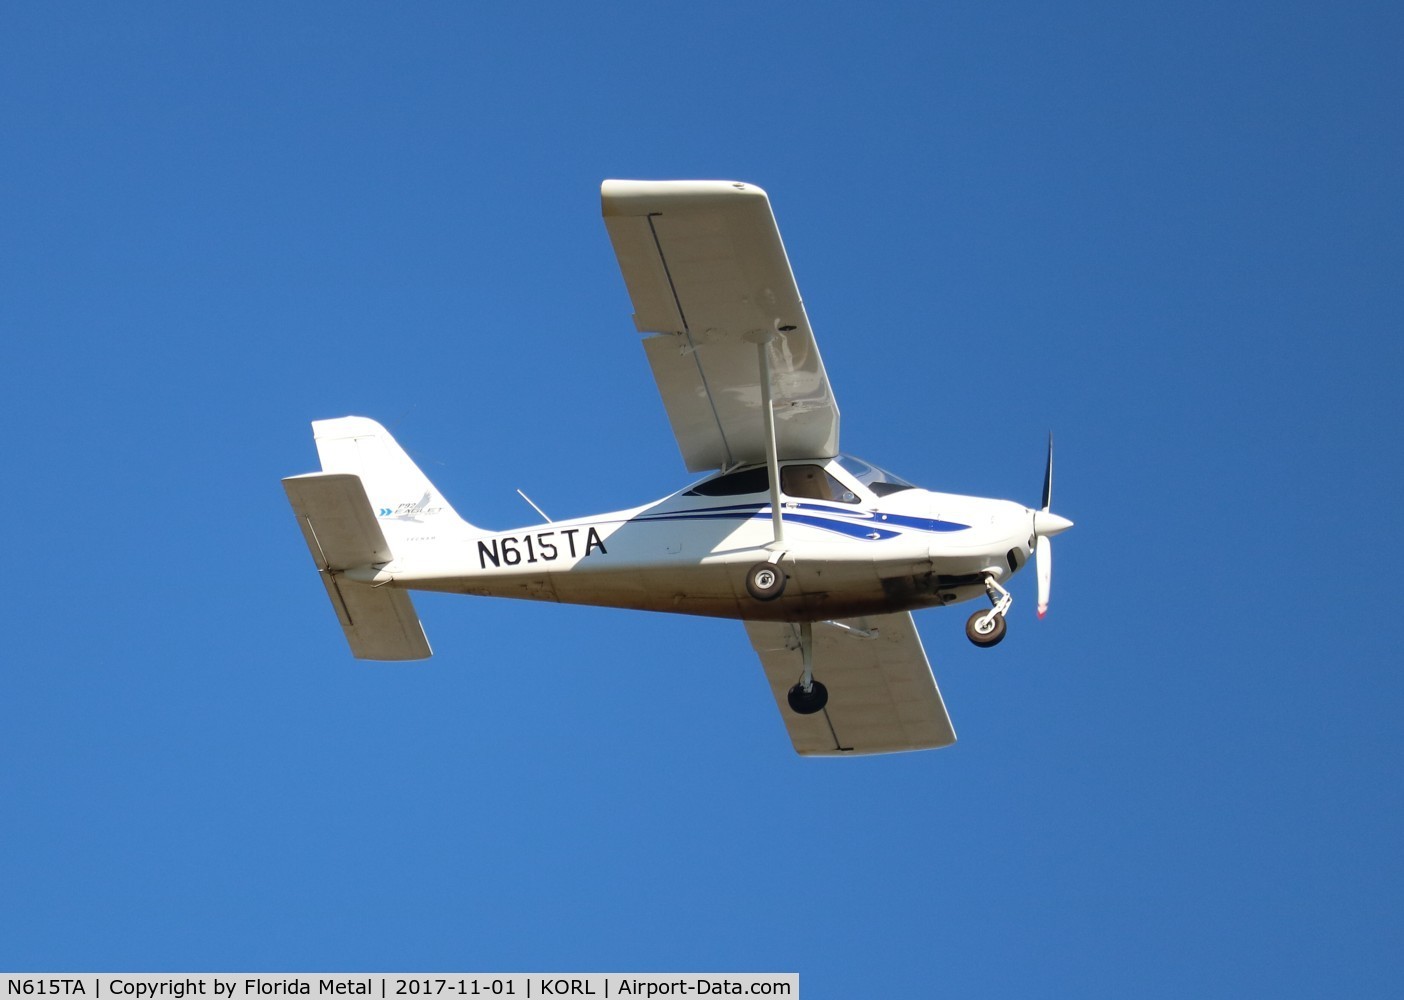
341,533
335,516
380,622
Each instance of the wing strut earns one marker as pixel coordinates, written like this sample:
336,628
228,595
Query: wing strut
772,457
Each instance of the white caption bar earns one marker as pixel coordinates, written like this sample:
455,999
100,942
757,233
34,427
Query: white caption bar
396,985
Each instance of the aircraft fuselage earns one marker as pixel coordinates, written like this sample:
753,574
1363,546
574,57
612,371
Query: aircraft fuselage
689,553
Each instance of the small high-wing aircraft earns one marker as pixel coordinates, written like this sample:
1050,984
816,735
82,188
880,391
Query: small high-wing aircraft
822,556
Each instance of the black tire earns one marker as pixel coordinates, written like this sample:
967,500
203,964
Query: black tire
804,702
765,581
991,637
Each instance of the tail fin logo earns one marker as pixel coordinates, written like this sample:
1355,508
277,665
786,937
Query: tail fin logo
411,511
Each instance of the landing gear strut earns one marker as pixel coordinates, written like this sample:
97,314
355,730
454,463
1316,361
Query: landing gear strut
808,696
986,628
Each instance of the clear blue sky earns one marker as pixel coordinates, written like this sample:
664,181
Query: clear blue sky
1169,232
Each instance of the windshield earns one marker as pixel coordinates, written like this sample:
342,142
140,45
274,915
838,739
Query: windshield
880,481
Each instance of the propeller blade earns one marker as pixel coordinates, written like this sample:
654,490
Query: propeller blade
1048,475
1043,558
1046,524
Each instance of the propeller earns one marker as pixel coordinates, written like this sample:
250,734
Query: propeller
1046,524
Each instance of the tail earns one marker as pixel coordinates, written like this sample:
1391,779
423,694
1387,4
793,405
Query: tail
403,499
362,509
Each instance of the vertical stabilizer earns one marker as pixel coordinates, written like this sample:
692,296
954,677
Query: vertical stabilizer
399,493
369,505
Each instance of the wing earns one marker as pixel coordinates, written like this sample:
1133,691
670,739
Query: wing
709,279
882,697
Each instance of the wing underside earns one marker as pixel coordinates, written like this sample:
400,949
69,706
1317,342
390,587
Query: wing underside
709,279
882,695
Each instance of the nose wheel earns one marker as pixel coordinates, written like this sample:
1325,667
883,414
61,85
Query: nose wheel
986,628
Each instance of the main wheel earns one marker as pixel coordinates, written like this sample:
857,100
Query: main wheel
804,702
765,581
987,633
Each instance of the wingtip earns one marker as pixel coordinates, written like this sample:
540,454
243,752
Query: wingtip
621,197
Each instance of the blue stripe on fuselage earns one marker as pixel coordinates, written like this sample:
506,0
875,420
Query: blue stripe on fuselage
855,523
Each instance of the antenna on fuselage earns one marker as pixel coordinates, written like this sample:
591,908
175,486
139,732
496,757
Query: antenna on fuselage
533,505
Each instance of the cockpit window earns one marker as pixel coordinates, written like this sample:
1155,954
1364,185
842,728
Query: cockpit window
880,481
812,482
733,484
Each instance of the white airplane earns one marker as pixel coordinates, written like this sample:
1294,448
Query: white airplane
822,556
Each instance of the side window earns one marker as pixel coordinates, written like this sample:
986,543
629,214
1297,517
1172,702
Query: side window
811,482
733,484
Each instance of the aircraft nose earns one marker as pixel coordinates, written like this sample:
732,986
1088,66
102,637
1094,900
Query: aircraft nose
1047,524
